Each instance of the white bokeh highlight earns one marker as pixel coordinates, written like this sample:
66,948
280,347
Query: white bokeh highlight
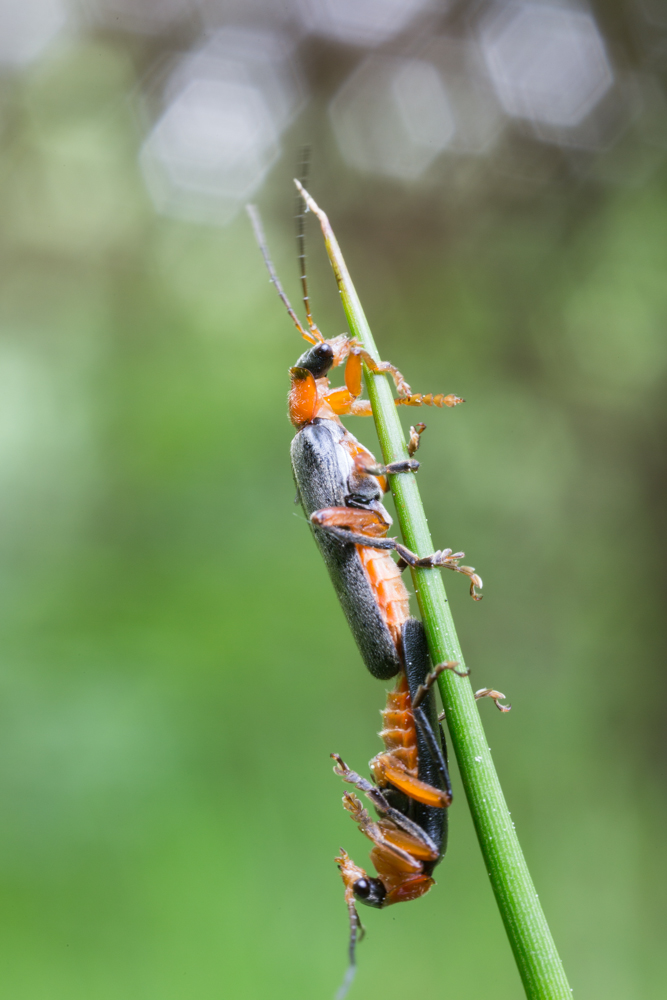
27,28
478,117
392,116
226,106
423,106
548,64
361,22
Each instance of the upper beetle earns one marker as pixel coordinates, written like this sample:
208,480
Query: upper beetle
340,485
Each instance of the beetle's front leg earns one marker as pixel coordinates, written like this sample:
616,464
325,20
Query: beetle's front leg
384,809
375,832
429,399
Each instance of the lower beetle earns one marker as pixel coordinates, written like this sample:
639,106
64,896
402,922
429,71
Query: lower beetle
411,793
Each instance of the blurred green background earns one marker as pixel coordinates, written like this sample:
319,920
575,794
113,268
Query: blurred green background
175,669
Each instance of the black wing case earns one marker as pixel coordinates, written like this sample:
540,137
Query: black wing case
319,463
433,750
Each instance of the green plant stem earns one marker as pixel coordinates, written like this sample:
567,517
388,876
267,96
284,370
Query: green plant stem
534,950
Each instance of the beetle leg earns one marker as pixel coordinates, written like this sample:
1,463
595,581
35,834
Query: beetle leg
496,696
343,402
378,834
361,408
406,396
445,559
406,850
419,399
415,438
362,520
384,809
353,373
370,791
409,465
383,368
354,537
431,678
387,768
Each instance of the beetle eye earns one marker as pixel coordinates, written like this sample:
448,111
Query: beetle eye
370,891
362,888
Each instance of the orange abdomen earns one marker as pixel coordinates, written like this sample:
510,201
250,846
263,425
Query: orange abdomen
398,733
388,588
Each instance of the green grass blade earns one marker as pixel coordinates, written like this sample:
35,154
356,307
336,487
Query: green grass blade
538,962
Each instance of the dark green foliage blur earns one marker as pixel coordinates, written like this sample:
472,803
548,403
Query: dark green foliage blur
175,669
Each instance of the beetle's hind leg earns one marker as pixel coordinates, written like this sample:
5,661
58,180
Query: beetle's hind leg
360,521
445,558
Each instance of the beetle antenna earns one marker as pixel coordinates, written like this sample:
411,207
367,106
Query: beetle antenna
258,230
300,220
356,934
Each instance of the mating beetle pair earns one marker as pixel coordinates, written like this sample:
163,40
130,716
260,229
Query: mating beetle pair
340,487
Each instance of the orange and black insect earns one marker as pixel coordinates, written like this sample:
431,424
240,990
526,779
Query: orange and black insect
410,793
340,486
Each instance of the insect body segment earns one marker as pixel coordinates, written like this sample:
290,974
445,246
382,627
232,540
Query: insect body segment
411,792
332,489
387,587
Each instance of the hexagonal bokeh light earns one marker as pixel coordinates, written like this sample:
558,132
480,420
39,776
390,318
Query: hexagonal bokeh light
548,64
226,106
360,22
27,27
392,116
477,113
